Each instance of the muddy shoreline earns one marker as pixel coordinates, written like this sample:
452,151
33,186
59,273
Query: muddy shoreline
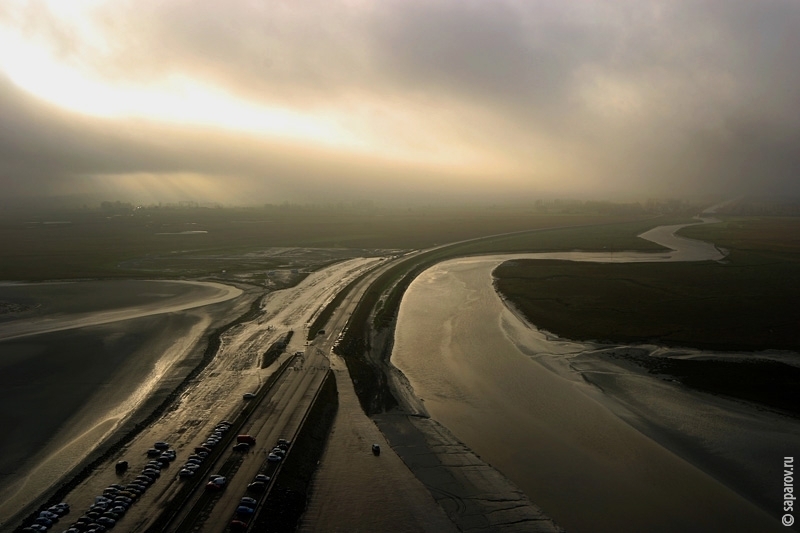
474,495
224,317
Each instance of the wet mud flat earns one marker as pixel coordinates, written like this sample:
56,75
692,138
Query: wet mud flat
72,394
474,495
513,395
738,441
768,383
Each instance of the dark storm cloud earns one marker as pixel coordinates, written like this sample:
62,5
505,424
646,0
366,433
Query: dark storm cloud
662,97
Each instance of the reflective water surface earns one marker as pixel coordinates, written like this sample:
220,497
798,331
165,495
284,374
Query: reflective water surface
77,360
597,446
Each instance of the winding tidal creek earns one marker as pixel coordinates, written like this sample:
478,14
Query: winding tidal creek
598,446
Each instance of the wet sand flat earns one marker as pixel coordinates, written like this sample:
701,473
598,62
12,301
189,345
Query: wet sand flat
66,389
52,307
548,432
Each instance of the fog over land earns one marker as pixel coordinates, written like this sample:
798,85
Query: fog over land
241,102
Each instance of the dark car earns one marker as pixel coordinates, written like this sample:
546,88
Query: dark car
161,445
121,466
248,502
214,486
60,508
244,510
257,486
241,447
238,525
105,521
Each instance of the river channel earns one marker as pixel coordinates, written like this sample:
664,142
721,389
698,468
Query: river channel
597,446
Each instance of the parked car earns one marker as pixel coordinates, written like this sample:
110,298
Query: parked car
243,510
213,486
257,486
60,509
249,502
161,445
106,521
169,455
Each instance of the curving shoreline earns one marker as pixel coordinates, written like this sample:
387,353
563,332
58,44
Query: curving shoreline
40,325
139,379
557,365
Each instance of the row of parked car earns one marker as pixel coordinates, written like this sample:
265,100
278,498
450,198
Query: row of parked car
116,499
201,452
247,505
47,518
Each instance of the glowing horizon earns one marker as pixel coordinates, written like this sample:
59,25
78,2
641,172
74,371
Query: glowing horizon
403,96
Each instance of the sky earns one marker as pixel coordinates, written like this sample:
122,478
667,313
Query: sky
250,102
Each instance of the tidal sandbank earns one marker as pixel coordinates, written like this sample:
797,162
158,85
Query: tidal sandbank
71,379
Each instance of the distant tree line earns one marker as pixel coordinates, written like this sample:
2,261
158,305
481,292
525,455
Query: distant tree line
763,207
